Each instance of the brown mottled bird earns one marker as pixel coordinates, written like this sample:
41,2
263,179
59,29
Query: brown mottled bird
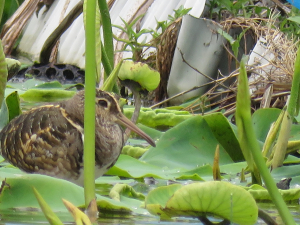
49,139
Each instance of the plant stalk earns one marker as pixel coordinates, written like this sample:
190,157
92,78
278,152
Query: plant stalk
243,122
246,135
89,104
3,74
292,110
2,3
107,31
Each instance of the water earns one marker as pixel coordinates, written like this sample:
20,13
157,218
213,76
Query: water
36,217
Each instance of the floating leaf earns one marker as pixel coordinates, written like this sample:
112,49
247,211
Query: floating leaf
135,152
49,85
157,199
187,145
17,192
126,190
127,166
223,132
262,120
259,193
217,197
159,117
153,133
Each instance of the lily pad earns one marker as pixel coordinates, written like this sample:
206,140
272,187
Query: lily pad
260,193
223,132
129,167
125,190
262,120
49,85
157,199
17,192
219,198
135,152
159,117
188,145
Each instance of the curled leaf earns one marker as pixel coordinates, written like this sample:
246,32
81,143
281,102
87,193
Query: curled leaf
140,73
124,189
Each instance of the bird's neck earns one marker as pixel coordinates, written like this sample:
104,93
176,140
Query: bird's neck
109,142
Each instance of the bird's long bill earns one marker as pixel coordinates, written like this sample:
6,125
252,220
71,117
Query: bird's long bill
128,123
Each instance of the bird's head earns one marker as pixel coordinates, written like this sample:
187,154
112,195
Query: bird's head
107,112
107,108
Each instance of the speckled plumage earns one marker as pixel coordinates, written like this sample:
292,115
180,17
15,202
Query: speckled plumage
49,139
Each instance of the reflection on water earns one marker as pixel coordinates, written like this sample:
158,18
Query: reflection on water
272,211
13,217
33,216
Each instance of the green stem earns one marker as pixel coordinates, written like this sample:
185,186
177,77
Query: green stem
293,103
89,106
257,154
107,31
3,74
132,43
292,109
105,61
1,9
272,188
246,135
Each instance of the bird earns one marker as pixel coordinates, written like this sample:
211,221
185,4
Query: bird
49,139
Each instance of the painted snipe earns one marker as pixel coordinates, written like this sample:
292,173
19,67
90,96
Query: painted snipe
49,139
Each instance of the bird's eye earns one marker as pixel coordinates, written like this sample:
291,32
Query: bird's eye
103,103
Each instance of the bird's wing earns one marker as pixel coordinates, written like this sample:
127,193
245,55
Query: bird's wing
43,141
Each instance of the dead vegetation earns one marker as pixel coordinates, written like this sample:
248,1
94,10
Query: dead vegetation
270,74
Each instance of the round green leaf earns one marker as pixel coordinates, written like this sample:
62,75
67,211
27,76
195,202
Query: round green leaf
17,192
214,197
157,199
188,145
217,197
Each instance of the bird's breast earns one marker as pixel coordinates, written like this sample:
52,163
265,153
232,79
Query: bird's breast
109,144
